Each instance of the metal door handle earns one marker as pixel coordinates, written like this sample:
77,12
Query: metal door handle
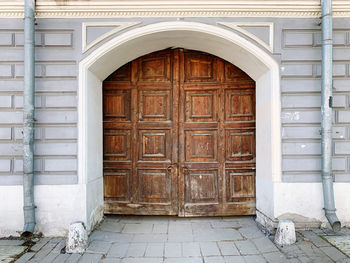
171,167
185,170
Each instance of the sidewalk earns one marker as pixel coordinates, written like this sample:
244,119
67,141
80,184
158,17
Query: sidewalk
185,240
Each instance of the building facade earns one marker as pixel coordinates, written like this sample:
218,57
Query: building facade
79,44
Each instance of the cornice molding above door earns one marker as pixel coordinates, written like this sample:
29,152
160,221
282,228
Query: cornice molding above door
118,8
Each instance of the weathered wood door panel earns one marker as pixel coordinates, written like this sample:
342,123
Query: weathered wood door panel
179,136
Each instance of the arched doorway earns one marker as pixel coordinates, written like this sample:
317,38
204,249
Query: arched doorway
104,60
179,136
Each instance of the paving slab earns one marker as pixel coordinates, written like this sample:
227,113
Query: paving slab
314,238
160,228
201,226
333,253
264,245
61,258
73,258
11,242
150,238
214,260
136,250
179,228
184,260
142,260
111,226
154,250
124,239
183,237
275,257
254,259
217,235
172,250
209,249
97,246
142,228
42,242
251,232
225,224
342,242
234,259
228,248
191,249
111,260
110,237
25,257
118,250
90,258
246,247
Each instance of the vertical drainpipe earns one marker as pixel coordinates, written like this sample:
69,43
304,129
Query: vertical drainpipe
28,119
326,114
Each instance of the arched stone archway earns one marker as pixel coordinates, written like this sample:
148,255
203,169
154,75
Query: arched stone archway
256,62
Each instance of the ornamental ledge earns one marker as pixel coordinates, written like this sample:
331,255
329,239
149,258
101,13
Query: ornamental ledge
138,14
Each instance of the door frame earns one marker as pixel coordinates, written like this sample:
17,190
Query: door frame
226,44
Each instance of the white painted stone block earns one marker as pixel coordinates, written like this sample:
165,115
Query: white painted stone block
61,101
77,240
298,39
61,70
5,71
61,39
297,70
19,39
344,116
62,165
43,116
5,165
61,132
6,39
5,134
285,234
19,70
5,101
339,101
64,148
19,101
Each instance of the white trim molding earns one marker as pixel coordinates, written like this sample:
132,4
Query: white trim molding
118,26
238,26
166,8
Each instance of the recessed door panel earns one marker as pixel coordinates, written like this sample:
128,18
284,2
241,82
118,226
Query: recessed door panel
239,105
201,106
154,145
154,105
155,186
117,144
240,185
201,146
117,105
240,145
201,186
116,184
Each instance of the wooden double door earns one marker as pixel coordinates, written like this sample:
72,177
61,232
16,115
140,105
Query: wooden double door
179,137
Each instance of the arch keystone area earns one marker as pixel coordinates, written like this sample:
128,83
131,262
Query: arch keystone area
226,44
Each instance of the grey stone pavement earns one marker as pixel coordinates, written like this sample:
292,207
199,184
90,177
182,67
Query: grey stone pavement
123,239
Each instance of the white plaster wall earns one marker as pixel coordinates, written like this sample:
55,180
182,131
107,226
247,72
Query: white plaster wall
303,203
57,207
91,168
264,180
